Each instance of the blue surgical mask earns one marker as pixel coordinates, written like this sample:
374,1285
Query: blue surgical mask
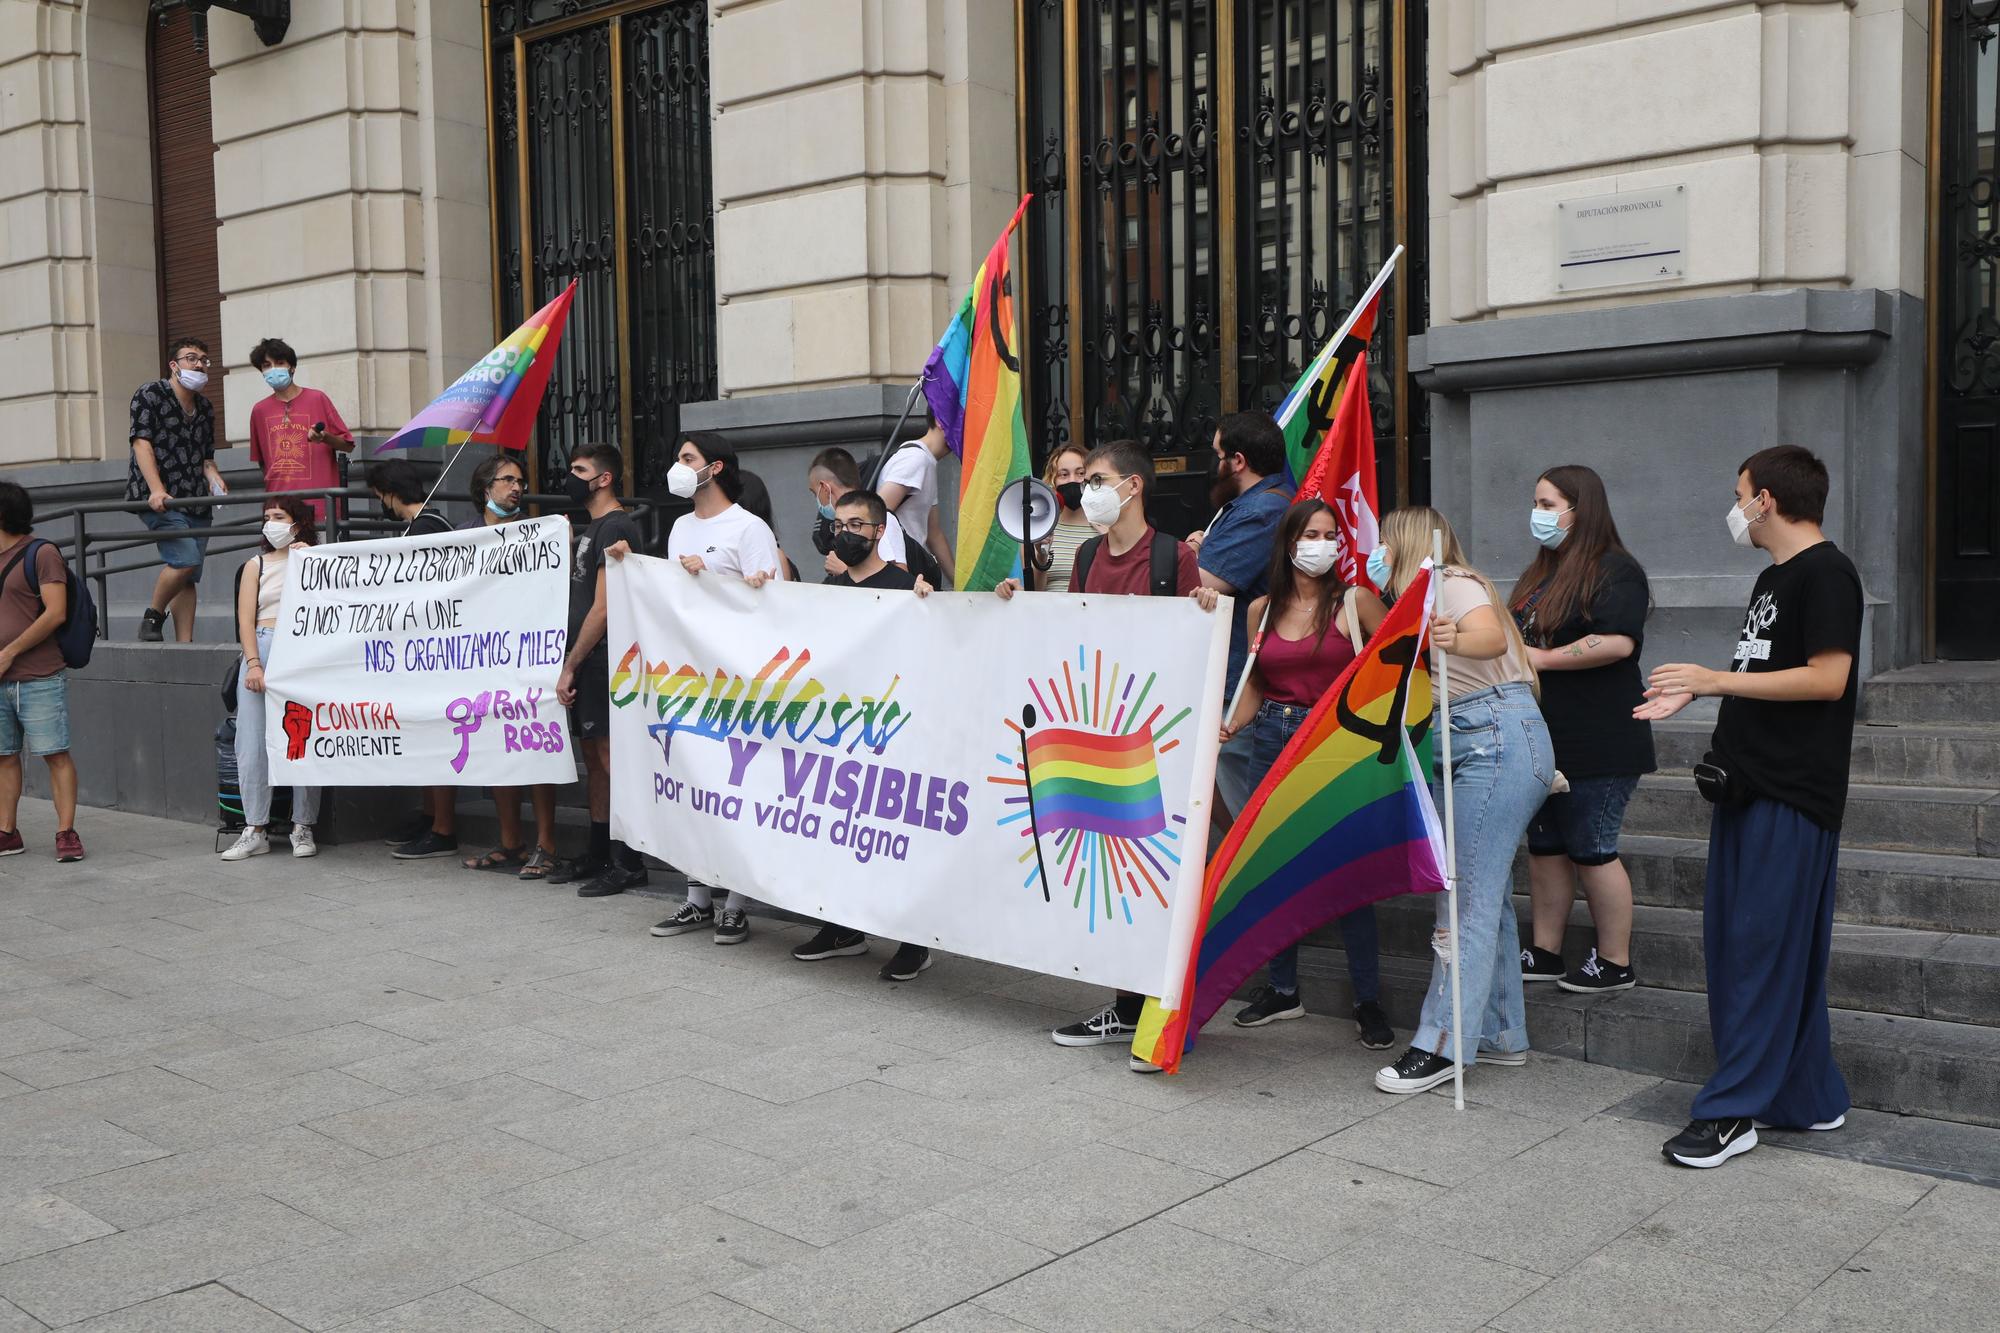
826,512
1546,525
278,378
1378,567
499,512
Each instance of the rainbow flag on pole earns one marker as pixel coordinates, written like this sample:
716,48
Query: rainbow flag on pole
973,383
1096,783
494,402
1343,819
1308,412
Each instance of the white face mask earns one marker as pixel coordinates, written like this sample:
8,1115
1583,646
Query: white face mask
683,481
1739,525
278,534
1101,504
1545,525
193,380
1314,558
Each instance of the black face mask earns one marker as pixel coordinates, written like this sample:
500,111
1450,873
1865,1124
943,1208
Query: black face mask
578,489
851,548
1071,493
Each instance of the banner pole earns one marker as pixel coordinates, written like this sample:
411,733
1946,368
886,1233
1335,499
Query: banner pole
1249,660
1450,841
443,472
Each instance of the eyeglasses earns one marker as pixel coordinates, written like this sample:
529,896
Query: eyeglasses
194,359
860,527
1098,479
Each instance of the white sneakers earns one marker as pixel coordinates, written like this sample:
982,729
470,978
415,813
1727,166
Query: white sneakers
255,842
251,843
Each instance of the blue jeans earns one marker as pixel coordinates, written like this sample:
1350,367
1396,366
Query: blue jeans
179,552
1583,823
35,714
1502,763
1270,731
253,765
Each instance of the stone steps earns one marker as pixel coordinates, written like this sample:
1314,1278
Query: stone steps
1909,1066
1948,821
1886,753
1939,693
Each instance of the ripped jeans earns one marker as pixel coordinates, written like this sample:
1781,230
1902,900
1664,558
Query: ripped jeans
1502,764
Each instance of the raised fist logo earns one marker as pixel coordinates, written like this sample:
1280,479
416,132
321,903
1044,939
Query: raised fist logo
298,729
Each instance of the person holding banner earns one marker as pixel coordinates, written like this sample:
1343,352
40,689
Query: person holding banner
1064,475
1317,625
720,537
1503,765
260,589
606,868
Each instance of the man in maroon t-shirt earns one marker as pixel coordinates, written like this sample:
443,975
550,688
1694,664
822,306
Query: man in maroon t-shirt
34,688
295,432
1117,480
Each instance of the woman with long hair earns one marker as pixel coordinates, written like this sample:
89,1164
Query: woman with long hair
260,587
1317,627
1501,768
1064,474
1581,605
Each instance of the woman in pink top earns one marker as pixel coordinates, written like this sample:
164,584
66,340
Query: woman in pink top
1317,626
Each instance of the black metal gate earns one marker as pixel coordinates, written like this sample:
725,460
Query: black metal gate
1967,309
600,133
1217,181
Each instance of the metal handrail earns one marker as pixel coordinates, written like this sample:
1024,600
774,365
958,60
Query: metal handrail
81,545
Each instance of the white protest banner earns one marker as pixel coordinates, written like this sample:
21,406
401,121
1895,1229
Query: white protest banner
1026,782
423,661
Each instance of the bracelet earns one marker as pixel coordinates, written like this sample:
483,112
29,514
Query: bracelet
252,662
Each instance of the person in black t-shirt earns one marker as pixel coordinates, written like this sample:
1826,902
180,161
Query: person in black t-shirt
1581,605
606,868
858,520
1778,776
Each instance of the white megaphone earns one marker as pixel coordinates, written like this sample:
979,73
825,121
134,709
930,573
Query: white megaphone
1026,511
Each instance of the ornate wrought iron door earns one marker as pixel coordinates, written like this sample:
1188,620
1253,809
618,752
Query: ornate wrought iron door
1217,181
600,126
1967,519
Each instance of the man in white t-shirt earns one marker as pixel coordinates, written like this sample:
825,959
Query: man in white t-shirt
908,485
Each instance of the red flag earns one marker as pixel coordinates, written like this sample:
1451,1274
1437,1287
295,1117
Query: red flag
1343,474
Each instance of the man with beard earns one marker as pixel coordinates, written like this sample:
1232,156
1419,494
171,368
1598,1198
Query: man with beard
1251,496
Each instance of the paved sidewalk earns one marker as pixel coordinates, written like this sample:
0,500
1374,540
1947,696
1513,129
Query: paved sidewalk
350,1093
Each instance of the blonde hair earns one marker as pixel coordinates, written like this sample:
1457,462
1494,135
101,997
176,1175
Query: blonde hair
1056,456
1407,534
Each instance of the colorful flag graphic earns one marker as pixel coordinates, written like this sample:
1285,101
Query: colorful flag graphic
496,400
1096,783
973,383
1343,819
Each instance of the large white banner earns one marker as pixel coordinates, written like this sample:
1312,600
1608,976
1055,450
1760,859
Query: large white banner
423,661
1027,782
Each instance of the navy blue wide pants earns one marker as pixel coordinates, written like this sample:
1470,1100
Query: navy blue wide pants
1767,928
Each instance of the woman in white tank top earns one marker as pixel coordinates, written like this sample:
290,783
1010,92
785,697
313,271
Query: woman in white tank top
260,590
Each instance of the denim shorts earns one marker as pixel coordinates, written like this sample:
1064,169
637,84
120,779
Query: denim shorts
1583,822
179,552
35,712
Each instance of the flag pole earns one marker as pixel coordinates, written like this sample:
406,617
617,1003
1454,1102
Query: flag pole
1450,841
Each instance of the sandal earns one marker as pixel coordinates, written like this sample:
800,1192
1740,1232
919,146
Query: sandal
538,865
499,860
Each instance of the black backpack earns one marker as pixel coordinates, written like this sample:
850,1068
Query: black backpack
77,635
1165,559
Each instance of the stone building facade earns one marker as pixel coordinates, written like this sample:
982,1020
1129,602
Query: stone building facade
860,154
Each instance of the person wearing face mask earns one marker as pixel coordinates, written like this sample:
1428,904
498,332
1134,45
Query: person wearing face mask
1064,473
832,474
1317,626
294,433
608,533
720,537
495,491
1251,497
1777,774
260,587
1502,767
1131,558
173,458
908,483
1581,605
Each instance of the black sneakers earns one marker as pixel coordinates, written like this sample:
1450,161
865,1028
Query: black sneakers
689,918
1541,965
1706,1143
1596,975
732,927
1100,1029
408,831
832,942
427,846
152,626
1270,1006
1417,1071
612,880
1817,1127
910,959
576,869
1373,1025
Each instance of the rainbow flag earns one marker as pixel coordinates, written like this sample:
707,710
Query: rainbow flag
1344,818
496,400
1308,412
1096,783
973,383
